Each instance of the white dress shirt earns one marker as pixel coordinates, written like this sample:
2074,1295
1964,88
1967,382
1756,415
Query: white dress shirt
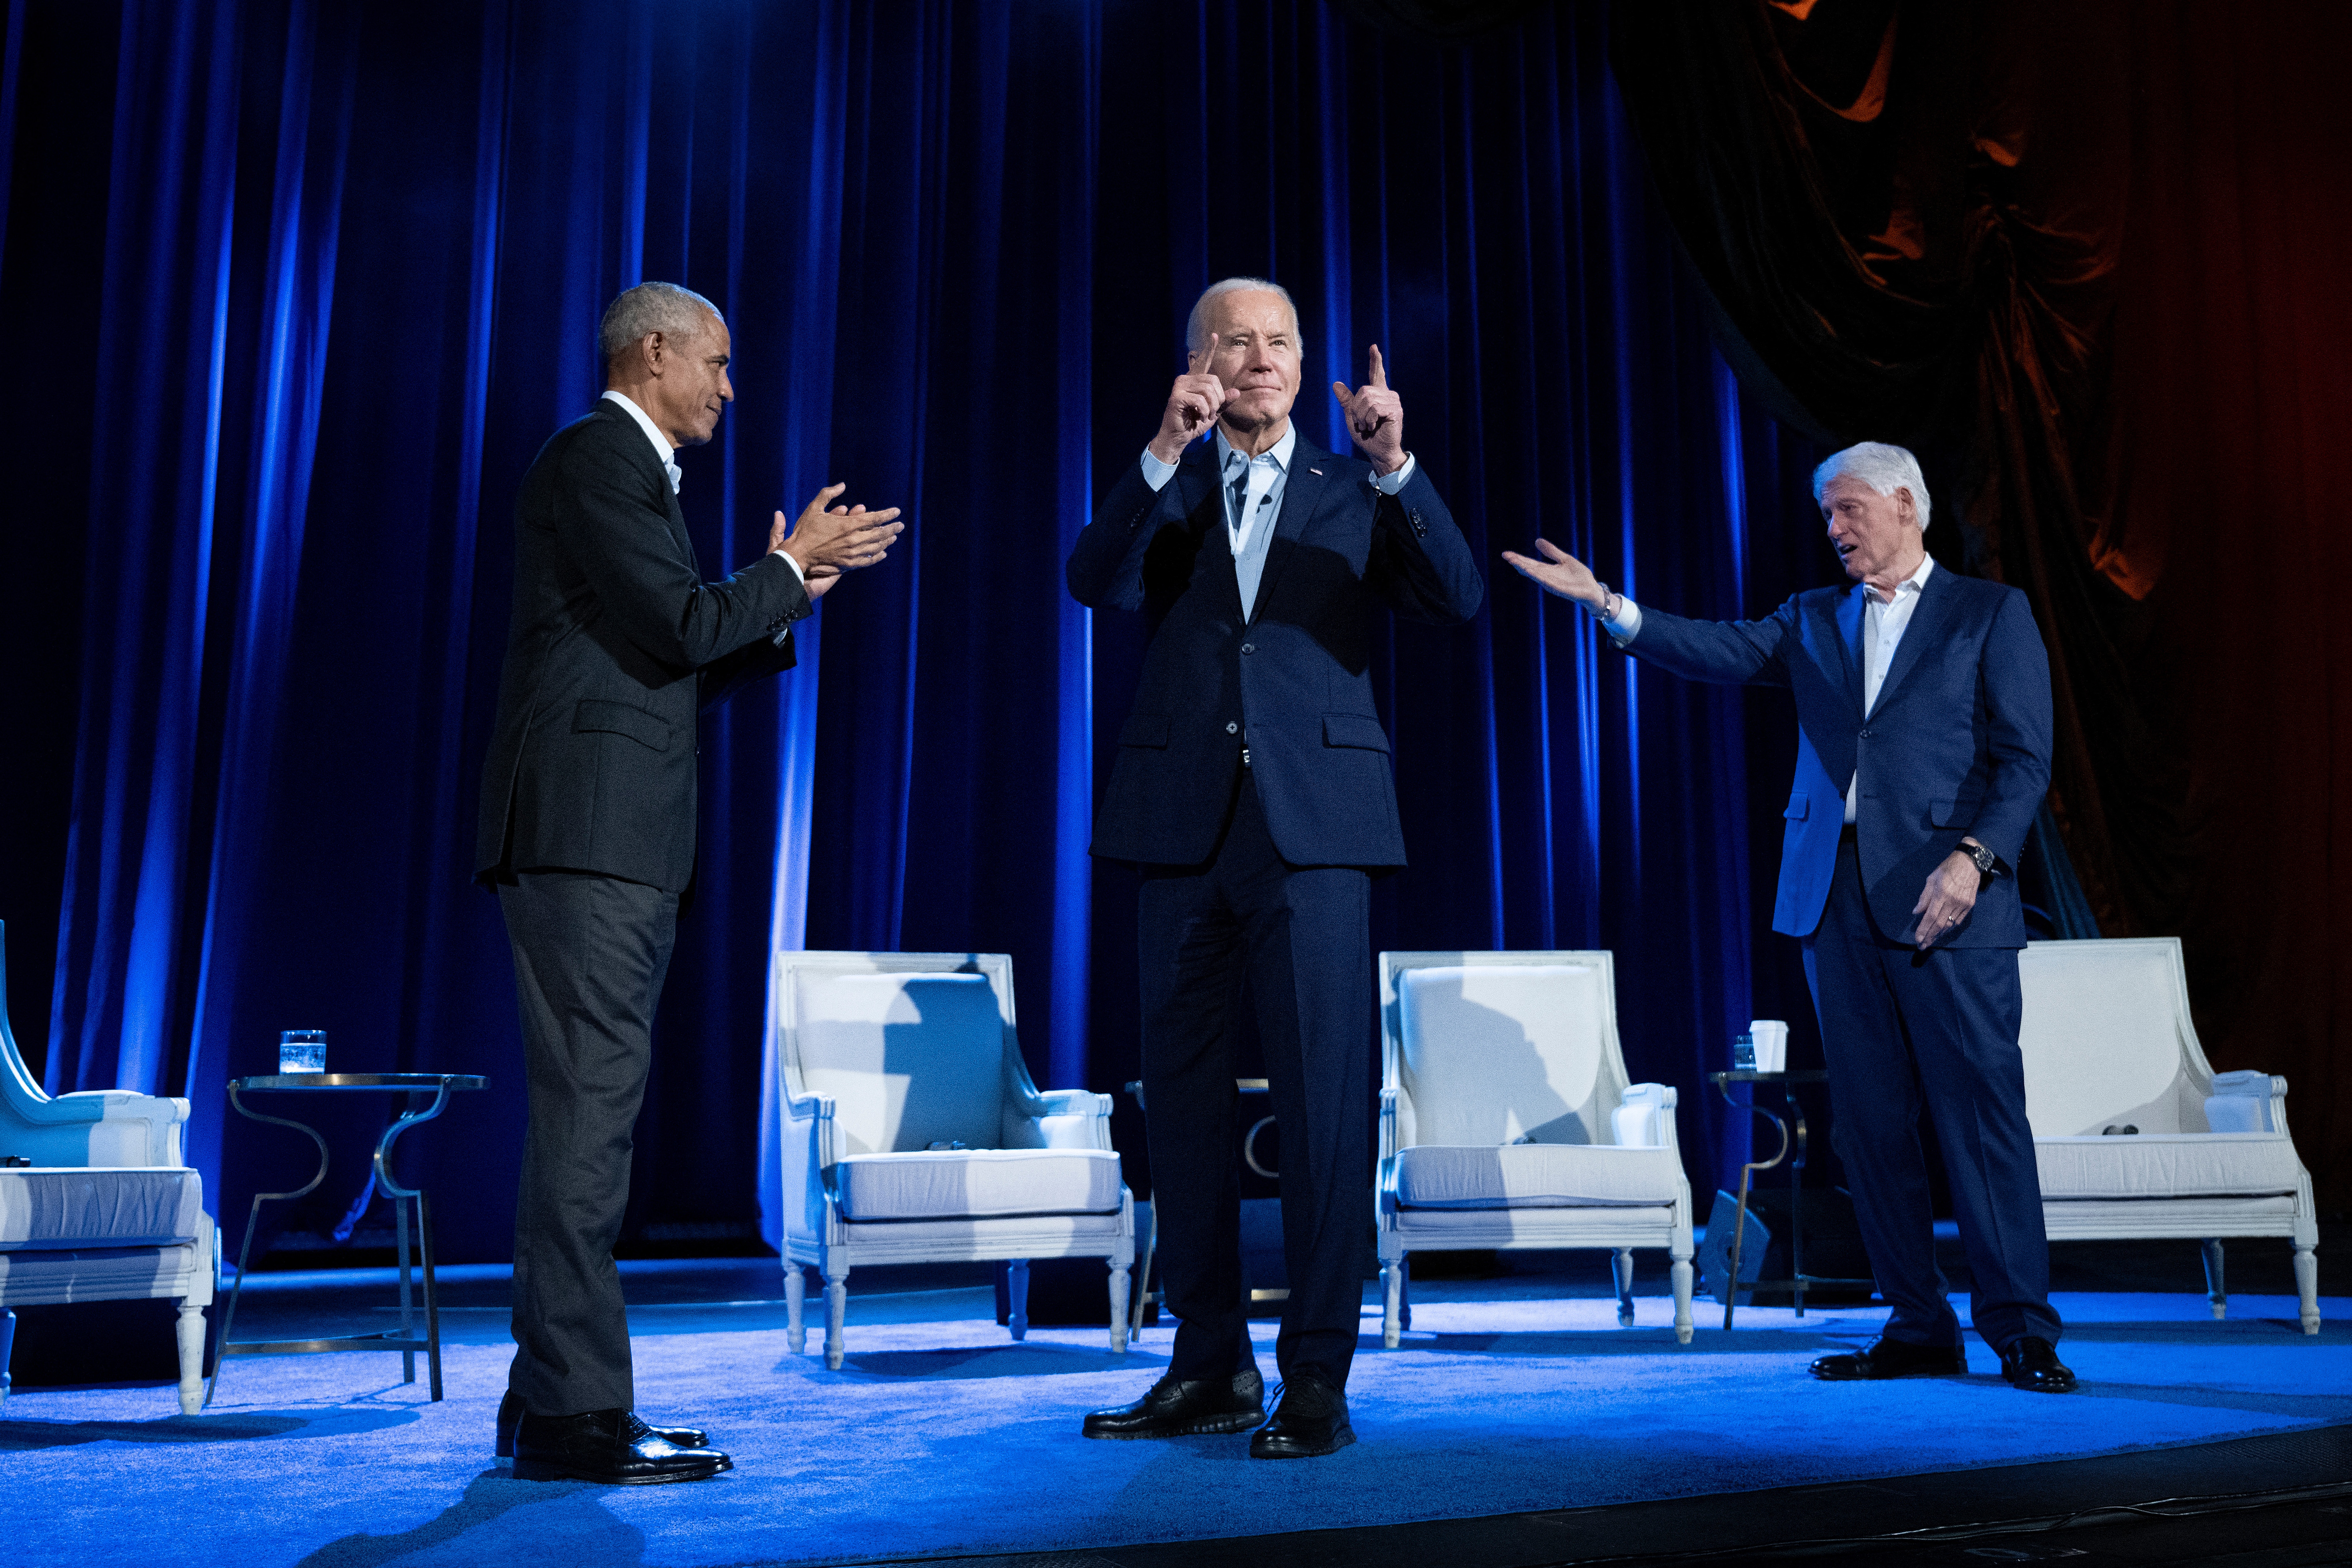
1157,473
667,454
662,448
1883,622
1249,528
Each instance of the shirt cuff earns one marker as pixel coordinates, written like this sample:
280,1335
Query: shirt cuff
1627,624
1156,473
794,561
1389,484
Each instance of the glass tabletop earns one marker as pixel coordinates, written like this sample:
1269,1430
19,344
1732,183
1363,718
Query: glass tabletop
413,1082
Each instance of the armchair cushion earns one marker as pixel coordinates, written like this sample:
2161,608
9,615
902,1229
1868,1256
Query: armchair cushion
910,1058
2167,1165
977,1183
1537,1176
1488,1052
64,1209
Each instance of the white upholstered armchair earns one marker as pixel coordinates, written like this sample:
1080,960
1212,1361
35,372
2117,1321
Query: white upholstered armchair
1507,1120
105,1212
2135,1133
914,1135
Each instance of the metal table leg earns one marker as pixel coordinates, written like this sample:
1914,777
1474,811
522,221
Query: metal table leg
383,1178
228,1319
1739,1218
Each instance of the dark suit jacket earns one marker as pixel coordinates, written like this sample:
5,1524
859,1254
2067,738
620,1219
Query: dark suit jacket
1959,743
617,642
1293,682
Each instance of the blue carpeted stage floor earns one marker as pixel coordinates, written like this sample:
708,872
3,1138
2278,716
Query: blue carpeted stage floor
942,1437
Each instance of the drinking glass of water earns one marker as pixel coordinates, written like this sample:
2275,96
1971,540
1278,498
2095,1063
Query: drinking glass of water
302,1050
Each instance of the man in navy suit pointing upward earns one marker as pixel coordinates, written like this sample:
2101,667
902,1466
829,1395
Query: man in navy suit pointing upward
1252,787
1923,753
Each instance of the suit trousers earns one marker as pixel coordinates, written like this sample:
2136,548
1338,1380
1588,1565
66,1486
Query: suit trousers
1302,936
1903,1032
591,953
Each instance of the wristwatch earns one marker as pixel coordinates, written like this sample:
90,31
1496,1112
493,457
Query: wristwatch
1988,863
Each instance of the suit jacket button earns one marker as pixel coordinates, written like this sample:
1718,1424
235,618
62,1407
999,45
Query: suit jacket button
1249,647
1233,729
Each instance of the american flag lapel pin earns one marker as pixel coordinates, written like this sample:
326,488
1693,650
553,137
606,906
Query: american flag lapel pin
1316,472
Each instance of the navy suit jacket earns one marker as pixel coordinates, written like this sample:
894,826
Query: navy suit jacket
1292,682
1959,745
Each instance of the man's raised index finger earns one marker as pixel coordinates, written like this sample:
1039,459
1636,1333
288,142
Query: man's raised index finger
1379,370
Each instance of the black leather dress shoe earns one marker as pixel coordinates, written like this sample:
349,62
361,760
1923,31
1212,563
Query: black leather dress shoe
1893,1358
2031,1363
610,1448
1186,1409
511,1413
1310,1421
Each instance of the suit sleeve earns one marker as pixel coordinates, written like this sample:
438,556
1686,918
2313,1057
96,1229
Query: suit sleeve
2018,718
1106,566
1729,653
728,674
1419,565
625,546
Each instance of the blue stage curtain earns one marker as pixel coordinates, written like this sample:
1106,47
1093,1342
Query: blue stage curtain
343,264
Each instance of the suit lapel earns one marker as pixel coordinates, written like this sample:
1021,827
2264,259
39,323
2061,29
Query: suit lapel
649,462
1849,626
1936,600
1198,489
1304,492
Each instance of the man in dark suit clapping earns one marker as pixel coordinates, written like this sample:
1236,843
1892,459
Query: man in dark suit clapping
587,831
1252,788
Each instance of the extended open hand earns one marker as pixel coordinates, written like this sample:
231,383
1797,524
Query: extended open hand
1560,572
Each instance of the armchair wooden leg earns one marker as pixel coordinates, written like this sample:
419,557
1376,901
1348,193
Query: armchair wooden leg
1683,1274
2307,1284
1118,1286
1391,1301
192,1359
1625,1287
1016,1293
795,1308
837,1307
7,1346
2215,1291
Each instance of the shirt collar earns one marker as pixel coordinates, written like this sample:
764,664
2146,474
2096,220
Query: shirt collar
1916,583
1280,451
662,448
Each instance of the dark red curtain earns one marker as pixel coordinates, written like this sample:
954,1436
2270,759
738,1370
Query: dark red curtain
2091,260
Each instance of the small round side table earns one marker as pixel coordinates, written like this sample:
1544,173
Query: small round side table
417,1086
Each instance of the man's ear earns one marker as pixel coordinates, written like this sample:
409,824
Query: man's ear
653,345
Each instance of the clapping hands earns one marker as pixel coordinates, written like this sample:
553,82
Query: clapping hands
827,541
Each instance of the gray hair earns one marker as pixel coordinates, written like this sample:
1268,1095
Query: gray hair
1196,326
663,308
1882,468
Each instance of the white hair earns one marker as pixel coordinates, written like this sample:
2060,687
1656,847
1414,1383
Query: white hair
1196,326
1882,468
663,308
